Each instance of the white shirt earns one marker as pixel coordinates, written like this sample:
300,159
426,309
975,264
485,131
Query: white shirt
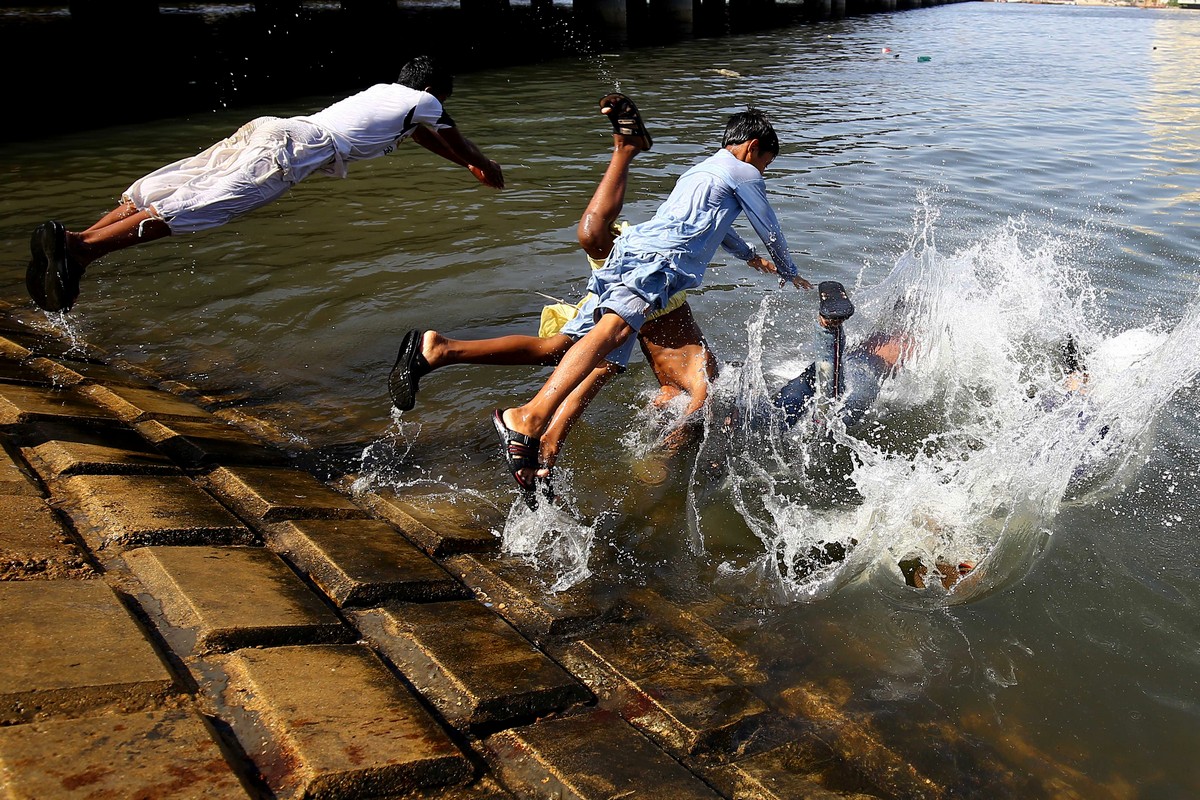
374,121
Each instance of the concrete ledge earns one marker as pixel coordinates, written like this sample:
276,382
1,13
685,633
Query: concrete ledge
595,756
854,741
668,686
439,538
470,663
803,768
133,404
72,648
149,755
19,404
26,373
33,544
332,721
504,584
21,339
14,479
277,493
74,372
199,443
363,562
79,456
231,597
122,511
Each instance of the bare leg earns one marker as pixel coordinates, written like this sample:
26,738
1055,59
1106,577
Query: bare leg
569,413
121,232
576,366
119,213
595,226
441,351
675,348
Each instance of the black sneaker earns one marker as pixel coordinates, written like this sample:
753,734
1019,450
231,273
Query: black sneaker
35,274
62,273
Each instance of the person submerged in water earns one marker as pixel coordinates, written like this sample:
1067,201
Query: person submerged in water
848,382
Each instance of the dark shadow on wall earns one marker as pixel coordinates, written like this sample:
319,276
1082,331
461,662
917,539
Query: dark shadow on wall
82,71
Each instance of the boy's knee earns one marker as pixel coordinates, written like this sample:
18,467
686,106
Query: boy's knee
594,238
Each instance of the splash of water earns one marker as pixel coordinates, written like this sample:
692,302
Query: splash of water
551,539
974,443
383,462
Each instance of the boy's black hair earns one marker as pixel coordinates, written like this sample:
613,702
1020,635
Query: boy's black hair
751,124
423,72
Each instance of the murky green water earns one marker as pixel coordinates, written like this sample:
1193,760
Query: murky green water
1040,171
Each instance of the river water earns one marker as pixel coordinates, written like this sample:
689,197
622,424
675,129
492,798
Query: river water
1034,178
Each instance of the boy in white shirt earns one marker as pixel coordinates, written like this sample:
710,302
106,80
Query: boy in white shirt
256,165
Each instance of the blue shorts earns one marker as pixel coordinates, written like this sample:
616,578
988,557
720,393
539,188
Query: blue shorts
619,299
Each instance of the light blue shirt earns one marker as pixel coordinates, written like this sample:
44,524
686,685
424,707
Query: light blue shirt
670,252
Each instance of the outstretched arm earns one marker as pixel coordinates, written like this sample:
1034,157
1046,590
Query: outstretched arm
453,146
742,249
753,197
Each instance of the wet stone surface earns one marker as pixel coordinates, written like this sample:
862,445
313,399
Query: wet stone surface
186,613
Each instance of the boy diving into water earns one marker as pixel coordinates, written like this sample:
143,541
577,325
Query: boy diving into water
255,166
670,339
649,264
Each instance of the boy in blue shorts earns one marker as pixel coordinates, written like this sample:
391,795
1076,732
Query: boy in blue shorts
671,340
650,263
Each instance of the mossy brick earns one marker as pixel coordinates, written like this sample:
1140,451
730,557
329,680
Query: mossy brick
471,664
13,350
856,742
21,404
691,623
231,597
196,443
507,584
669,686
14,480
34,544
134,404
25,373
168,754
72,648
805,767
328,721
362,562
42,343
439,536
122,511
591,756
273,494
70,372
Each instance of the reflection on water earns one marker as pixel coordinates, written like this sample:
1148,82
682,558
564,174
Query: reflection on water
1030,180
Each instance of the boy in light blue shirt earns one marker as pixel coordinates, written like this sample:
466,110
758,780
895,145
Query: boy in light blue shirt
651,262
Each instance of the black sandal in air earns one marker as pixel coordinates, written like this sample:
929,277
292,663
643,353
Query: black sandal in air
835,303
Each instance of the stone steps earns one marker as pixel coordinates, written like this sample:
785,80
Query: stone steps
188,615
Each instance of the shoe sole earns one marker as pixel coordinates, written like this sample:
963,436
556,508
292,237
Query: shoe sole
35,274
62,285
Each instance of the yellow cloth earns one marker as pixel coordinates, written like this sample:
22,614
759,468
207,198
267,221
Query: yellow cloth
557,315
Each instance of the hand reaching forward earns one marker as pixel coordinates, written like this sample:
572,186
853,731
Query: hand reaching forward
489,174
766,266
